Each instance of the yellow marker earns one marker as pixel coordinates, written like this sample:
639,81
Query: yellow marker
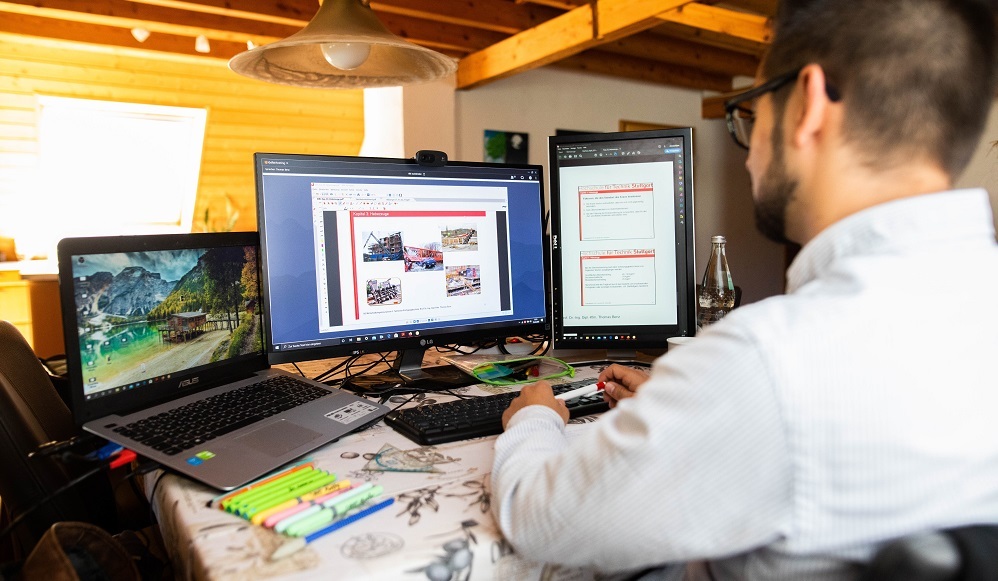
265,514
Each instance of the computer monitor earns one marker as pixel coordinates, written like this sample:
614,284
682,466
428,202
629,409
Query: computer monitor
364,255
623,276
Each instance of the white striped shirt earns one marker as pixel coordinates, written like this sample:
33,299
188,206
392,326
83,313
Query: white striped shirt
794,436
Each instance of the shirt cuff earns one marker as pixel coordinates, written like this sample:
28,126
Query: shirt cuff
542,413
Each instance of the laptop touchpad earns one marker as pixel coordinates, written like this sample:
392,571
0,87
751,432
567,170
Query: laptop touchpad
278,438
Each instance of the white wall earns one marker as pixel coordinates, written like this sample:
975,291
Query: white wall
983,168
430,118
539,102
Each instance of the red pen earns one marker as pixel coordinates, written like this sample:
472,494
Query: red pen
581,391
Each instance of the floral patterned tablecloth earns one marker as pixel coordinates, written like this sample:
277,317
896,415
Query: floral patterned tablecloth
440,527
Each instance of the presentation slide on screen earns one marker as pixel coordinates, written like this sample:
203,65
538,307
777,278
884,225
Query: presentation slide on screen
617,277
400,262
613,211
618,243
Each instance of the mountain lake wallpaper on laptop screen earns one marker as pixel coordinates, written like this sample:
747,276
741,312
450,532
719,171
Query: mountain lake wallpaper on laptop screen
142,316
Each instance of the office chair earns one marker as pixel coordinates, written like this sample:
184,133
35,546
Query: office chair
968,553
31,414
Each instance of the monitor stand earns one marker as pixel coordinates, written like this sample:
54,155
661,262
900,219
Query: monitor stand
408,375
409,366
605,357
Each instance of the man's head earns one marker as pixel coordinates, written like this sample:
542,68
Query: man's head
917,77
910,80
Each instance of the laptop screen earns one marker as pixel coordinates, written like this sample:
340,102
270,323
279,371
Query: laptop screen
152,317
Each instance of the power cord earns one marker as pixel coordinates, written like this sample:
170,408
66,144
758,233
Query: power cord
110,461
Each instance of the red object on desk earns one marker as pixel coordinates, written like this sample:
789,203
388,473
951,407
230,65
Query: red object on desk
125,457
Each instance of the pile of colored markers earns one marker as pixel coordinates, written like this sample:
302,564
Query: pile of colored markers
302,502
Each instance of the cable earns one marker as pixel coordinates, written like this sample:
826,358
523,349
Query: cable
334,369
31,510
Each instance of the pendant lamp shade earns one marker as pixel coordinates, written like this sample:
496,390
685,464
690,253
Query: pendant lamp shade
344,46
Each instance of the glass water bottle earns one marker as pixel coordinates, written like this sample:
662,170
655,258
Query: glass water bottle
717,293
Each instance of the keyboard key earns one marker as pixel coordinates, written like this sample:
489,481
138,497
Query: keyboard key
475,417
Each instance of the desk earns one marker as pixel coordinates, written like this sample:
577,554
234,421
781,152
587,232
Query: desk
440,527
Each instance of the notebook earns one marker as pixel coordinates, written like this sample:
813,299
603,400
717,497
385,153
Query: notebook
156,324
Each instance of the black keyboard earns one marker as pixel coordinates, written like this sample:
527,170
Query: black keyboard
475,417
193,424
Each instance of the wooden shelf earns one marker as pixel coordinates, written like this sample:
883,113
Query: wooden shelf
33,307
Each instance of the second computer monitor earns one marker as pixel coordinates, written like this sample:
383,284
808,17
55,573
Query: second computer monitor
622,239
368,255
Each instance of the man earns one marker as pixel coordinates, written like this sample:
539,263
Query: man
794,437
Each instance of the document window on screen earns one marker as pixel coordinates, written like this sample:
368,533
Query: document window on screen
621,220
395,254
622,239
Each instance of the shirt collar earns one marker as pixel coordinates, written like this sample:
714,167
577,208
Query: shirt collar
901,224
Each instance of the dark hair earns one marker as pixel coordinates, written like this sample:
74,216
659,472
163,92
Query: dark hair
917,77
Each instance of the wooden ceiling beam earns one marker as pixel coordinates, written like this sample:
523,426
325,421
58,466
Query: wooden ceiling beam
668,50
157,19
702,16
597,61
708,38
290,14
764,7
732,23
31,25
499,16
719,40
440,36
570,33
506,17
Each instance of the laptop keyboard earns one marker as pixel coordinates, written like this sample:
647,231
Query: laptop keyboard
193,424
476,416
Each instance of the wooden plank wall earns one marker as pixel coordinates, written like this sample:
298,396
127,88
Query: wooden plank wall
244,115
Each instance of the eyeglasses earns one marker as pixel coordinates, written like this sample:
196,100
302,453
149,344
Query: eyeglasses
741,118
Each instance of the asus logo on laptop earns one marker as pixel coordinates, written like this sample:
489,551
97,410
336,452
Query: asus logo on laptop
188,382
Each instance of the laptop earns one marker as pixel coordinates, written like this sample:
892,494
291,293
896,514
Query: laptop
155,325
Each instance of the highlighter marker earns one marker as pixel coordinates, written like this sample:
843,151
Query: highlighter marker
294,545
282,520
276,497
269,484
258,483
305,499
294,521
333,509
238,504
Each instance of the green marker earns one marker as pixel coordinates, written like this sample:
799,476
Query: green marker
233,501
245,501
298,490
334,510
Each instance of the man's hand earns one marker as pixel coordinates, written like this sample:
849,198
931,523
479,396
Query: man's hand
621,383
535,394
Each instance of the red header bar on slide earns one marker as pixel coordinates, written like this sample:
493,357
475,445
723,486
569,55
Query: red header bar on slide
413,213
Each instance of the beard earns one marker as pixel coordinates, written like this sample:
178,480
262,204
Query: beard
775,192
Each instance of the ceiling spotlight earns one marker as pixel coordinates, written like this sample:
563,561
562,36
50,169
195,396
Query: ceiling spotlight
201,44
344,46
140,34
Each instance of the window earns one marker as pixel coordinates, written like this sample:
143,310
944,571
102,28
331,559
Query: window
108,168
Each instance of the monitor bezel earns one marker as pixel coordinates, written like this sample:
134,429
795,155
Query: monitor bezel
458,335
686,325
180,383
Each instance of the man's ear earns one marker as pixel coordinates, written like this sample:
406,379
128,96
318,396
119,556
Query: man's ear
813,117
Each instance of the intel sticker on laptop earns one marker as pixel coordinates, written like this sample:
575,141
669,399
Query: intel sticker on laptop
352,412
